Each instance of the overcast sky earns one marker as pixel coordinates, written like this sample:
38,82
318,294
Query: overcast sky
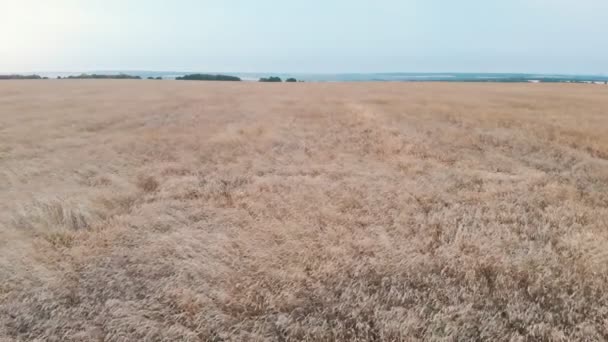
549,36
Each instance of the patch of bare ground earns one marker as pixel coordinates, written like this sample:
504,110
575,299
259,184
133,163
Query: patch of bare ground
193,211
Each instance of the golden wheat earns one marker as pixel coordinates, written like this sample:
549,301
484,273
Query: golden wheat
142,210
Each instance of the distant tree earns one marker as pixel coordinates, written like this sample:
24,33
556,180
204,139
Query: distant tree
20,77
58,77
291,80
96,76
150,78
159,78
207,77
271,79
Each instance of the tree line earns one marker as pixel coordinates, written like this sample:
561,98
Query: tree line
277,79
207,77
96,76
20,77
191,77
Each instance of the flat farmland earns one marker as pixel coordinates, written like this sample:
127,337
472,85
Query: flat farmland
237,211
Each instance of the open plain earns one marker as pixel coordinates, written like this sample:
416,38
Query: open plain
210,211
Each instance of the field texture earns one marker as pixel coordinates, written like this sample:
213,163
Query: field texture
194,211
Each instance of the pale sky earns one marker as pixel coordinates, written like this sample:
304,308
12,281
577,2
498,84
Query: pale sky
327,36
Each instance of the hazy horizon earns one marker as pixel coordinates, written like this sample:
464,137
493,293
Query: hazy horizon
187,71
471,36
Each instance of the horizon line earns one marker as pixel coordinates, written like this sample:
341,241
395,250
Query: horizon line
303,73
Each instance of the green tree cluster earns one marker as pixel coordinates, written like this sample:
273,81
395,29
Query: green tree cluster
20,77
271,79
96,76
207,77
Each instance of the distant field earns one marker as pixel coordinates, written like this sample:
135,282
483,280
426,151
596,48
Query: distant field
167,210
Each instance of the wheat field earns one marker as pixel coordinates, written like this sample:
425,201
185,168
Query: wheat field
196,211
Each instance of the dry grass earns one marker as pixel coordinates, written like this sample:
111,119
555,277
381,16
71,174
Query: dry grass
136,210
